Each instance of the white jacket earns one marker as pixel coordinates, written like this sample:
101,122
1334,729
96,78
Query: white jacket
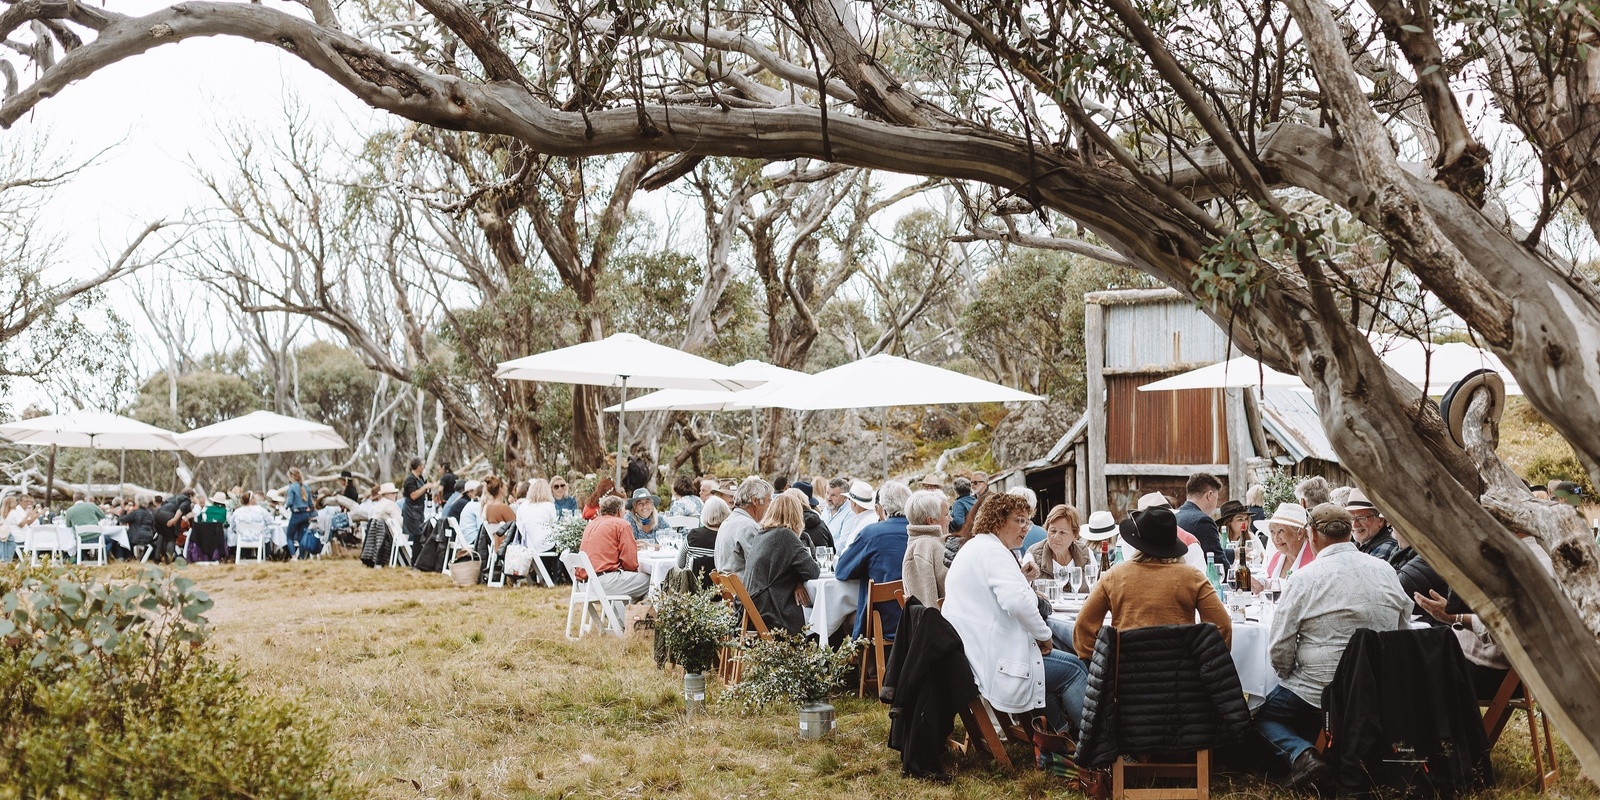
996,613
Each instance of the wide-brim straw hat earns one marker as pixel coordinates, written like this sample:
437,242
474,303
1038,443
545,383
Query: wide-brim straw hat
1291,514
388,488
862,493
1100,527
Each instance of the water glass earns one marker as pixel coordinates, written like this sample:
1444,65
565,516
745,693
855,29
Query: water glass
1091,574
1074,578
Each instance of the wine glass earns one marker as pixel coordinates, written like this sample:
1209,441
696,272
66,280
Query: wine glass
1274,589
1061,576
1091,573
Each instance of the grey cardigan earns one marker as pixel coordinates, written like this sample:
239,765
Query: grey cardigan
774,563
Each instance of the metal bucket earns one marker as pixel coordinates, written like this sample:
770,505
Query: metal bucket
694,693
816,720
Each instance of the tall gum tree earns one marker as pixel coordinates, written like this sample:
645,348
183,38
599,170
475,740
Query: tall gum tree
1205,143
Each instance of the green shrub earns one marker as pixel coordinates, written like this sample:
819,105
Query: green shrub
566,534
107,690
789,669
691,627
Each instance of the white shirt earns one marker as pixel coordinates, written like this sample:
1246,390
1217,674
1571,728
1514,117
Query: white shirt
471,521
251,514
1324,603
851,526
835,518
534,521
389,511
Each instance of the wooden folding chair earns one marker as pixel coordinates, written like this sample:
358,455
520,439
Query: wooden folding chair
1498,714
874,642
991,728
730,662
1200,770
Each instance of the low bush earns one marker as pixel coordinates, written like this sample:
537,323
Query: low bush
789,670
107,690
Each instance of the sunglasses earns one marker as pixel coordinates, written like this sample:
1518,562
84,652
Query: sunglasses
558,486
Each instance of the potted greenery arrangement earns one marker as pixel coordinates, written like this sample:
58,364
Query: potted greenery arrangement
690,628
793,669
566,534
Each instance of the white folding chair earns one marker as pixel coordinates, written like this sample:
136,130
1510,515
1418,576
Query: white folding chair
248,536
455,543
544,573
401,542
41,539
590,599
96,544
493,529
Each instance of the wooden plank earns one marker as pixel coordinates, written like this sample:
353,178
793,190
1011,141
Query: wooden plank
1161,470
1094,340
1240,448
1081,477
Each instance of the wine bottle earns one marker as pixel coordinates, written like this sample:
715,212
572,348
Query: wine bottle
1242,573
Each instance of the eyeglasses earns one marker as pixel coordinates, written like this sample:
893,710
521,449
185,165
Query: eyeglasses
558,486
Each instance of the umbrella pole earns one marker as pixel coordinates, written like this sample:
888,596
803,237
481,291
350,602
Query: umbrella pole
622,430
50,481
89,494
122,473
883,441
261,466
755,434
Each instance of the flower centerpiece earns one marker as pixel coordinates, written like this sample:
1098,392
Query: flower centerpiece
690,628
566,534
792,669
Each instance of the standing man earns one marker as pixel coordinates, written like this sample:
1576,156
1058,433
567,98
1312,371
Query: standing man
1204,496
1370,531
566,504
1324,604
835,510
963,504
750,503
415,494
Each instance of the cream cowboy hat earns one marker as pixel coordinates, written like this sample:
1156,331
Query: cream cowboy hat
1291,514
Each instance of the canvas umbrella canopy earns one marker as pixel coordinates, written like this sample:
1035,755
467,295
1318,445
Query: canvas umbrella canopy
260,432
882,381
91,429
1234,373
624,360
714,400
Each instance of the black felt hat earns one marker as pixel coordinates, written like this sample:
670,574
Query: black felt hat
1154,532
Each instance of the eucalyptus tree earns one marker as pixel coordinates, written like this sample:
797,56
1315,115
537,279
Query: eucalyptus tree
1214,145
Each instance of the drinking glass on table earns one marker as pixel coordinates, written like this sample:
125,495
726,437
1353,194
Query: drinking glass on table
1274,589
1091,573
825,558
1061,577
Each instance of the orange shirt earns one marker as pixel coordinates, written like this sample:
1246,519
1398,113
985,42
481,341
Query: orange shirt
609,543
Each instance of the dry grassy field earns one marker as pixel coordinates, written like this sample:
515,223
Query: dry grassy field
435,691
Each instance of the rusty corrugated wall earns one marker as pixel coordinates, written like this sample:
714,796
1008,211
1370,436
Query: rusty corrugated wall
1187,427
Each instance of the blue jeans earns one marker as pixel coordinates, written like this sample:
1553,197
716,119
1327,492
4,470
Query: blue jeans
1060,635
8,550
1065,680
1288,723
298,522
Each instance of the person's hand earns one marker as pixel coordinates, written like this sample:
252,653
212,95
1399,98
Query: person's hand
1045,647
1030,570
1433,604
802,596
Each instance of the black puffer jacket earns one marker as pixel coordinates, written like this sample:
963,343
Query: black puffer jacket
1161,689
927,683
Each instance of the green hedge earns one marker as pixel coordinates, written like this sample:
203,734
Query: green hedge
107,690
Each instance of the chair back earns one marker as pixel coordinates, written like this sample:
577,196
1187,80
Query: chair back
249,534
88,530
752,617
884,592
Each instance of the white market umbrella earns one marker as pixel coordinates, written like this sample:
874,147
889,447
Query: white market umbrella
260,432
1235,373
882,381
624,360
1436,367
750,400
91,429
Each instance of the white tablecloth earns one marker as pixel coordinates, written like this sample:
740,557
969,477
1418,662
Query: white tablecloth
116,533
832,602
277,530
65,539
658,563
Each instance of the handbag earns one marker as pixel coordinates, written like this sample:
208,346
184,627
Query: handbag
519,557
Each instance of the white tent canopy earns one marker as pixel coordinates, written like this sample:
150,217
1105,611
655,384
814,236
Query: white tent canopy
623,360
260,432
91,429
